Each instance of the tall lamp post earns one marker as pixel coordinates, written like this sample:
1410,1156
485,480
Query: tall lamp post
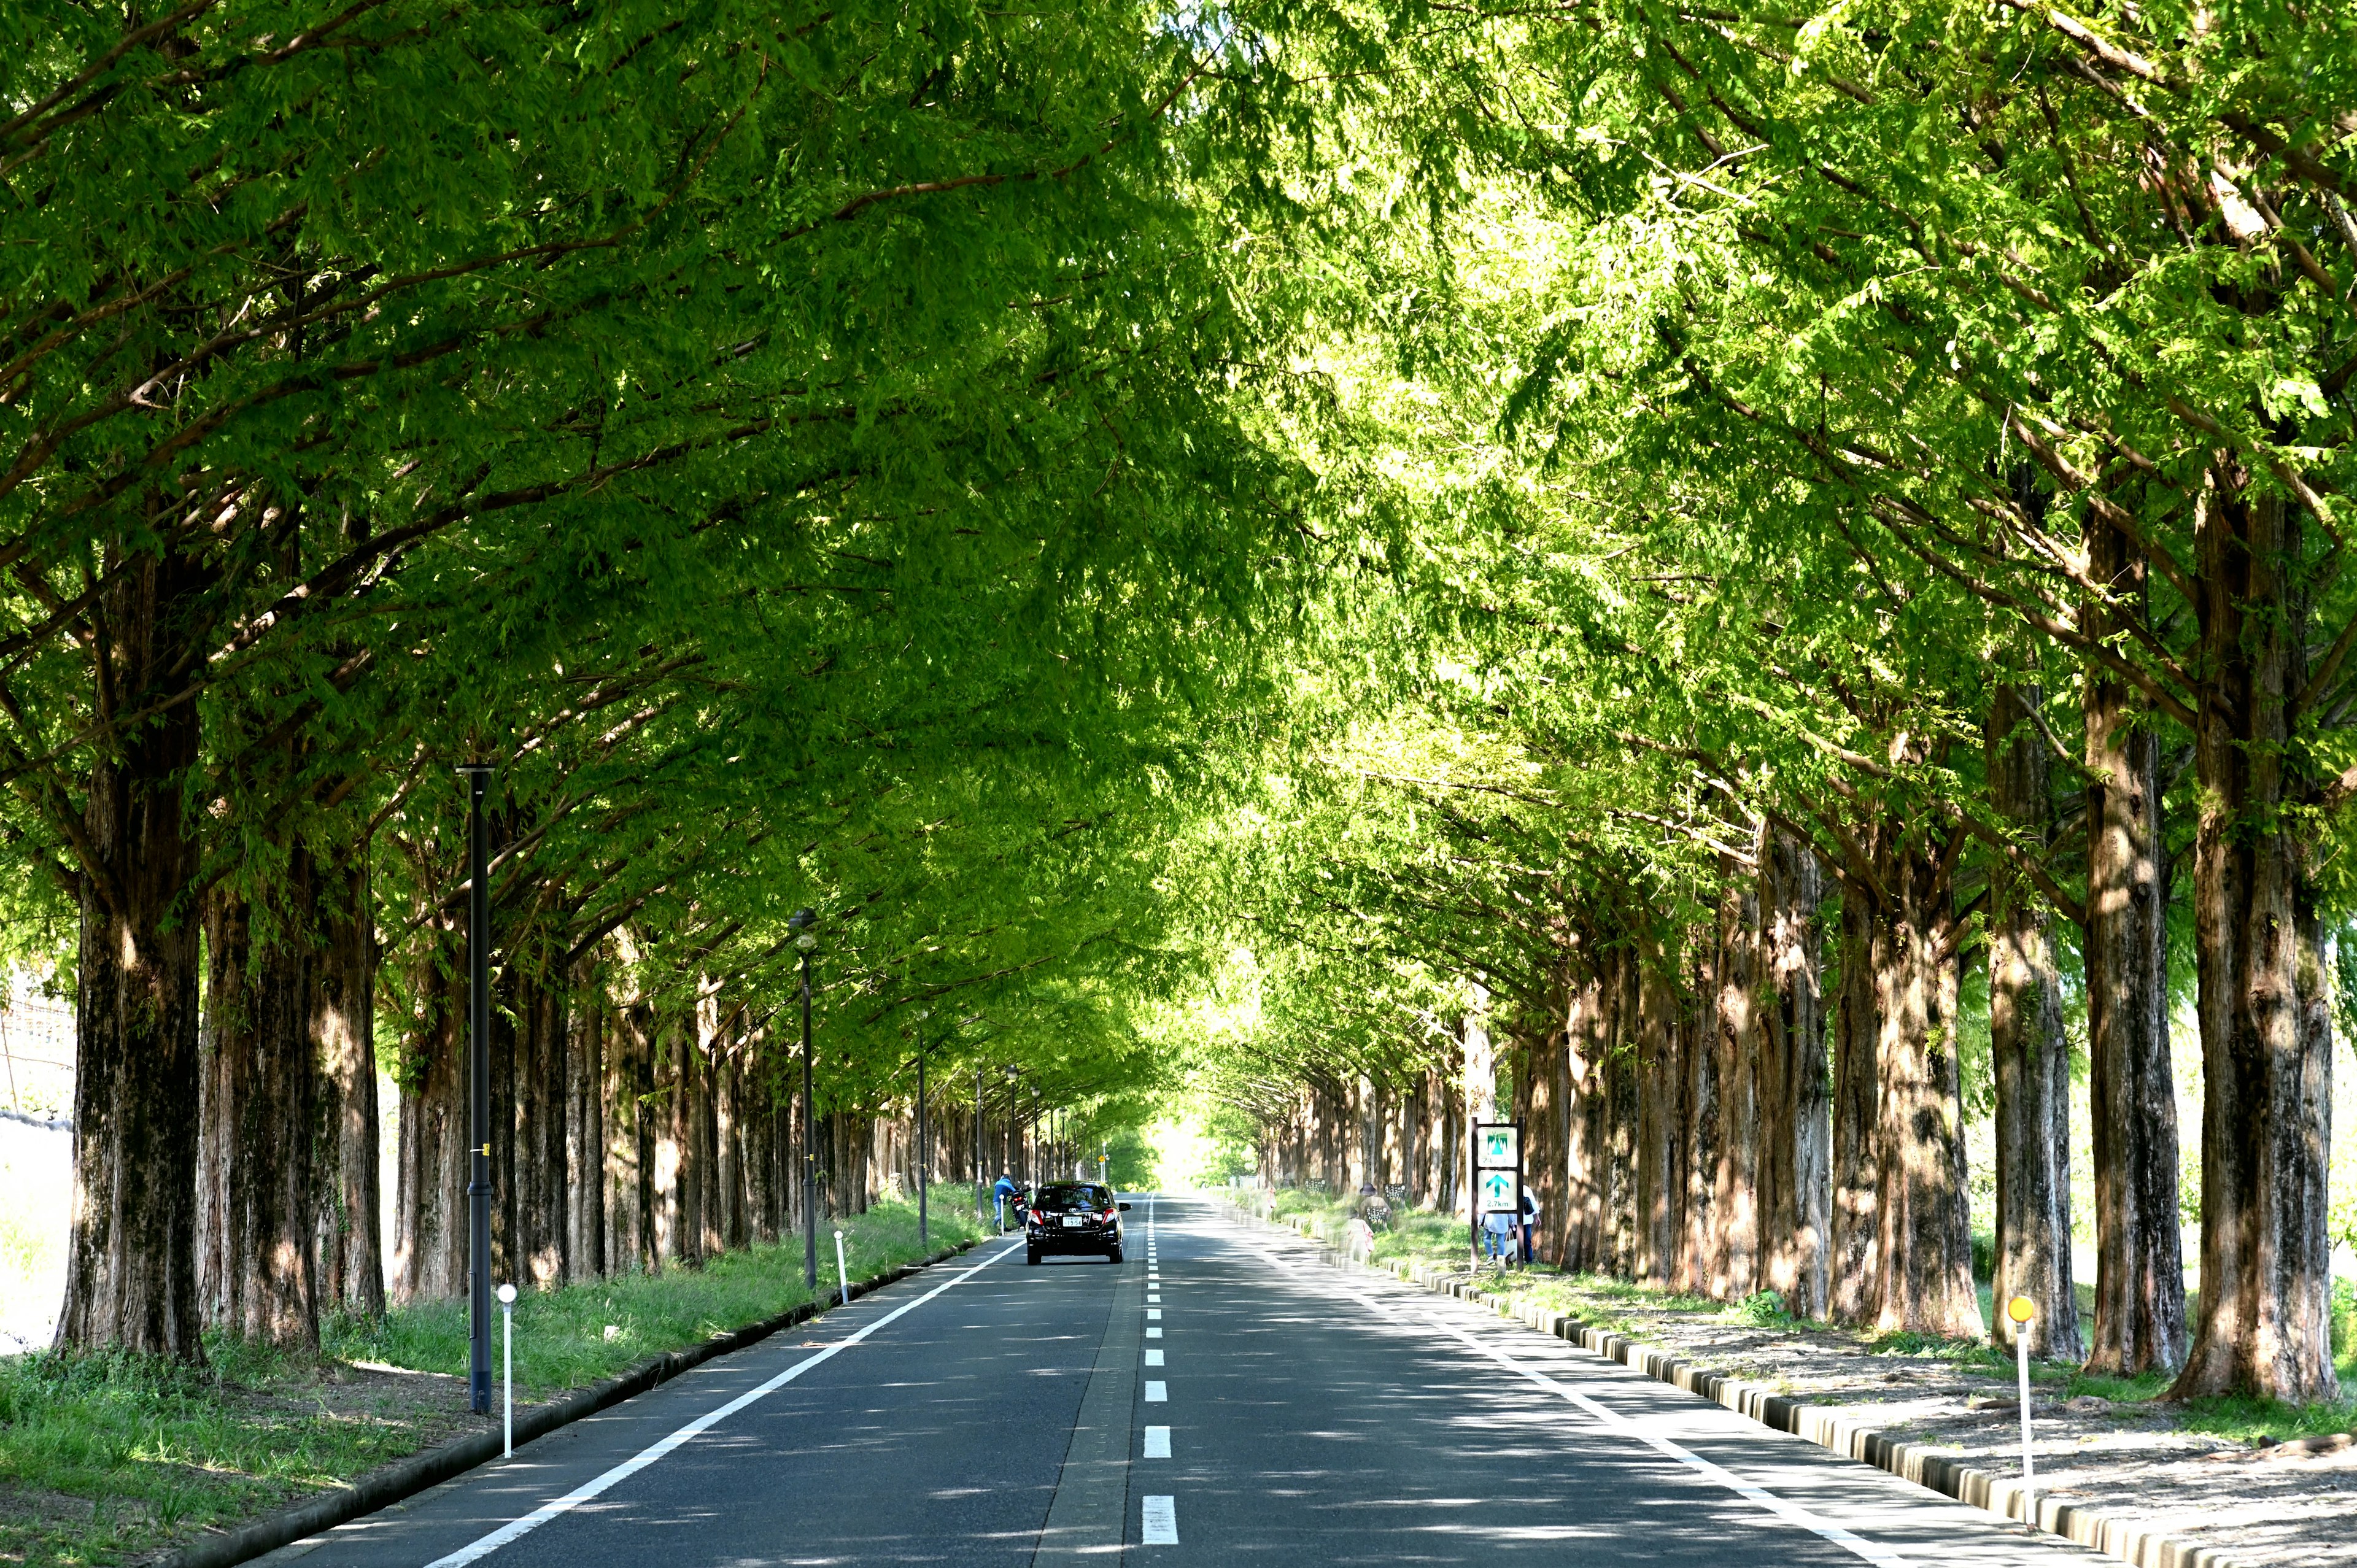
1014,1120
478,1092
800,921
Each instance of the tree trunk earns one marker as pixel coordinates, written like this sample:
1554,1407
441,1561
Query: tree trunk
1923,1234
2030,1056
1583,1208
131,1248
2139,1322
429,1249
1705,1069
1661,1131
343,1033
2266,1037
259,1119
1794,1131
1855,1266
585,1125
1736,1037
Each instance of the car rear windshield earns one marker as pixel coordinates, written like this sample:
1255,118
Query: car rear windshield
1069,1197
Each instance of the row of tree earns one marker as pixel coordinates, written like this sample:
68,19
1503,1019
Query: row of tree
1861,500
801,451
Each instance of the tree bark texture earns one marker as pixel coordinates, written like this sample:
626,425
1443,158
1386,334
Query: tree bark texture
1856,1263
2266,1037
1796,1129
1738,1039
131,1248
343,1032
2030,1056
1923,1230
429,1248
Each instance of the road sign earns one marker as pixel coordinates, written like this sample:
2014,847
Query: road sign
1500,1192
1498,1146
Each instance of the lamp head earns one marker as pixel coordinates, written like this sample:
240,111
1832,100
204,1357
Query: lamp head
805,942
801,921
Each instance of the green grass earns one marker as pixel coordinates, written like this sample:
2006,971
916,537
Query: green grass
581,1333
106,1457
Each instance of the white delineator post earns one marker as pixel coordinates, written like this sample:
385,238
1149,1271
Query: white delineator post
841,1270
507,1372
2020,1310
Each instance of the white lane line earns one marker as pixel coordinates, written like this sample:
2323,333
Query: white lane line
516,1529
1154,1296
1152,1314
1157,1393
1154,1358
1613,1421
1154,1334
1157,1443
1161,1523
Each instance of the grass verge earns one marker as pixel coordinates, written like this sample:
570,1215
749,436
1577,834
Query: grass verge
1602,1301
104,1458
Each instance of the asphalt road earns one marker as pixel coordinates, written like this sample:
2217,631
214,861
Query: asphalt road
1222,1397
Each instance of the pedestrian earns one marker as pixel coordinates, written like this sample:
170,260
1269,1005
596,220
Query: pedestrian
1497,1233
1530,1223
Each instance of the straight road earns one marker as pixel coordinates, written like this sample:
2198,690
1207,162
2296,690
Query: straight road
1222,1397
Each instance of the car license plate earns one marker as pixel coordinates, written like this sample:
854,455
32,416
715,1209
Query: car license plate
1074,1220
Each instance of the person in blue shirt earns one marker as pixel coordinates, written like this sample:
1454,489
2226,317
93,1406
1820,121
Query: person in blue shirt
999,1194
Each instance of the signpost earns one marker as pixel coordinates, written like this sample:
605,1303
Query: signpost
1497,1176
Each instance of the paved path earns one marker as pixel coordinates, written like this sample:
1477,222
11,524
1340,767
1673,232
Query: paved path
1223,1397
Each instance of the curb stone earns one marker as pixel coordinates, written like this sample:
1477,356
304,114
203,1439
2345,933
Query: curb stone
1828,1426
405,1478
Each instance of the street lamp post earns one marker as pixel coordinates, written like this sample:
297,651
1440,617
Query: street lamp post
800,921
478,1092
981,1182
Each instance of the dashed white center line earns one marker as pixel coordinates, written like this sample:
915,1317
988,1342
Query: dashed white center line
1154,1358
1157,1392
1152,1314
1161,1523
1154,1334
1152,1295
1157,1443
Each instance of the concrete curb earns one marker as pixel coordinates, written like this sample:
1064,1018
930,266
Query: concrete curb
406,1477
1828,1427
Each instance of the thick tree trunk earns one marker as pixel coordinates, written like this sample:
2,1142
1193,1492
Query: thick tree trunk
585,1126
1924,1235
2030,1056
1736,1037
1705,1069
2266,1037
343,1033
1620,1109
131,1248
429,1249
1661,1131
260,1117
2139,1322
1795,1132
1583,1208
1855,1266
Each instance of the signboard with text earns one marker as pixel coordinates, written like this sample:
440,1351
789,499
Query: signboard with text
1497,1167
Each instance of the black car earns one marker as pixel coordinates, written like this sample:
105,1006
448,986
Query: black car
1073,1217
